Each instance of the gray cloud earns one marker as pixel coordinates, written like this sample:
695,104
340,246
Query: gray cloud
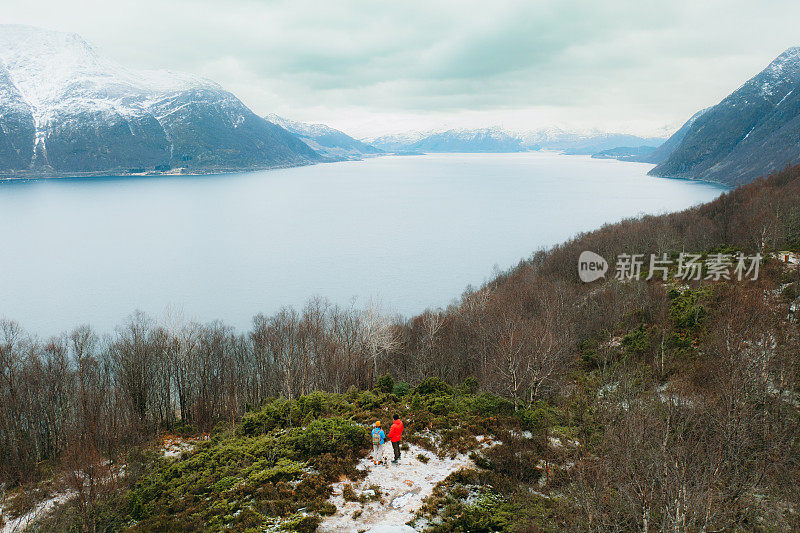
363,65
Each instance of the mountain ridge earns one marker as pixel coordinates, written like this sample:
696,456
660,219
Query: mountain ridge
750,133
68,110
330,142
499,140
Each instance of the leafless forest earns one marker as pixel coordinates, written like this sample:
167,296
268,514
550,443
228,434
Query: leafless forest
686,397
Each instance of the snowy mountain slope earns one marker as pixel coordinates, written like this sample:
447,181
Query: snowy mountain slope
66,109
17,125
325,140
752,132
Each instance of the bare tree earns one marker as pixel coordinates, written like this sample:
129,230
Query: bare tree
378,334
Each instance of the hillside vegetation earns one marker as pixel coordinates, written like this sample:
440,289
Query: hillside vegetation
275,470
612,406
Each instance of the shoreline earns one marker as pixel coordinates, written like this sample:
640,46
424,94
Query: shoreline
178,172
29,176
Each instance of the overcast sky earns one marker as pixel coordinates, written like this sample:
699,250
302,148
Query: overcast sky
373,66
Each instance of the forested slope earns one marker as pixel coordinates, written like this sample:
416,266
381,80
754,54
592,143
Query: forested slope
671,404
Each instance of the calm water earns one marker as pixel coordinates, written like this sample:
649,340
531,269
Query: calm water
413,231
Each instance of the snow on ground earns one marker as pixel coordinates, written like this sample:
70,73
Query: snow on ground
174,446
403,488
19,524
391,529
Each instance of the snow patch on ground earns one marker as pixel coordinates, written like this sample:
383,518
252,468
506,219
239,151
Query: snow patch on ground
403,488
20,523
391,529
175,446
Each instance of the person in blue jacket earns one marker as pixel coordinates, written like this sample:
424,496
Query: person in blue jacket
378,436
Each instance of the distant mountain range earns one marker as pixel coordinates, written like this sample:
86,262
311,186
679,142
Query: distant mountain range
325,140
452,141
499,140
751,133
591,143
64,109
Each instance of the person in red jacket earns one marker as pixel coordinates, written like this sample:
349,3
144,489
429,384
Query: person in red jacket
395,432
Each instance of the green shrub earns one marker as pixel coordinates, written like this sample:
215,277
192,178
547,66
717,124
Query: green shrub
185,430
278,470
385,384
247,482
418,403
314,404
272,415
433,385
489,514
284,470
352,393
349,494
540,415
687,309
301,524
368,400
401,388
480,460
422,441
637,342
328,435
441,405
326,509
224,484
470,386
487,404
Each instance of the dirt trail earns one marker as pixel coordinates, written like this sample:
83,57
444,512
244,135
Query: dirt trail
403,487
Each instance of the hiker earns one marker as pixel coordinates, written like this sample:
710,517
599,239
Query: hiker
395,432
378,436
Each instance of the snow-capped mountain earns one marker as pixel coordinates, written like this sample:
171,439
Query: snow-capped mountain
325,140
397,142
451,141
752,132
585,143
66,109
500,140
